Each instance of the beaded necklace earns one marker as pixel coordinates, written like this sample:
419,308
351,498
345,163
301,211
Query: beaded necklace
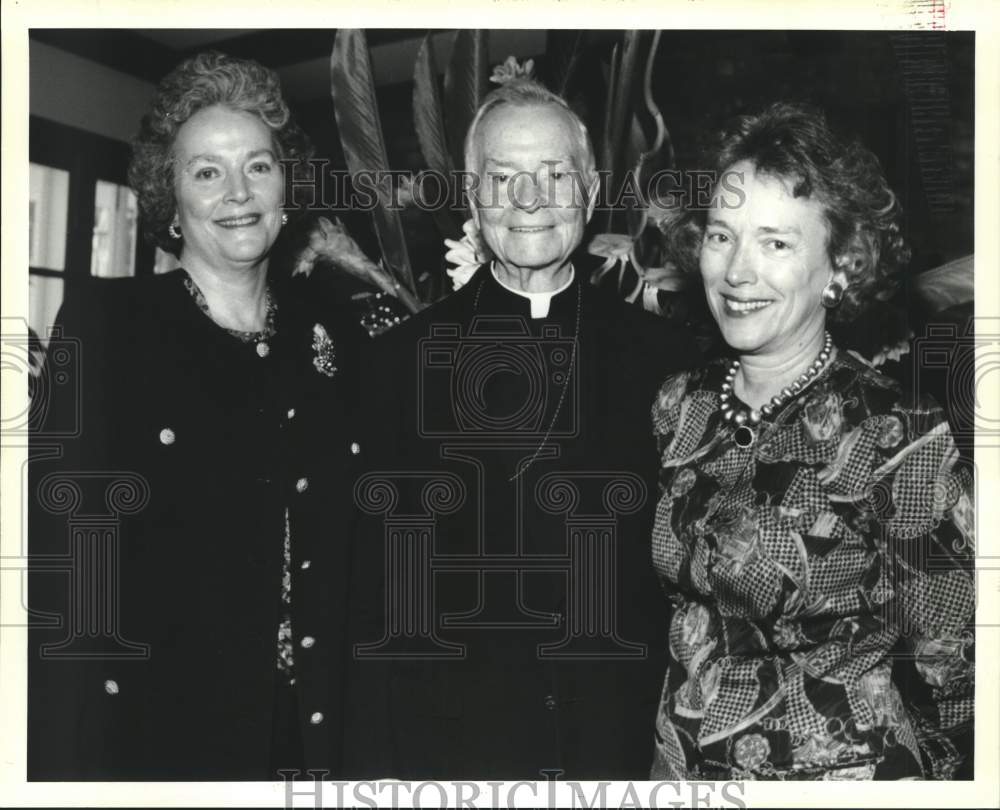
746,420
259,338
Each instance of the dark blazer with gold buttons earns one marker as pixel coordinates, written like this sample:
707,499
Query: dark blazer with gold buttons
165,462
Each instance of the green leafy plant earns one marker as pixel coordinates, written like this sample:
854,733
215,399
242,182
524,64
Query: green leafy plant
636,253
442,112
353,90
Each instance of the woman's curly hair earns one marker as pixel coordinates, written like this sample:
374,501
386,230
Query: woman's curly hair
794,143
202,81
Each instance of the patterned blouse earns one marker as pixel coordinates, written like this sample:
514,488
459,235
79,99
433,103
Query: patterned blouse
822,582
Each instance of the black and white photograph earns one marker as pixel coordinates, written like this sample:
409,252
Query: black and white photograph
501,416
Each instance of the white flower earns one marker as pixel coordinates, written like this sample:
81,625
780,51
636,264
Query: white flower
616,248
618,251
512,69
467,254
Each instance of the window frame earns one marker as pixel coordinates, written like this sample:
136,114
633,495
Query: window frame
87,157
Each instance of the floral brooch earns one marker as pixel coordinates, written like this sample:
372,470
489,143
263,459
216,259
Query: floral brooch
326,352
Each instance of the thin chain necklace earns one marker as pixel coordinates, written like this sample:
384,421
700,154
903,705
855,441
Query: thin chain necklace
569,375
746,420
259,338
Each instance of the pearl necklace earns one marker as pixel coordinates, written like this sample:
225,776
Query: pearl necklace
746,420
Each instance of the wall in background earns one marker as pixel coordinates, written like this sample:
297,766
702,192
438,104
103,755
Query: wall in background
71,90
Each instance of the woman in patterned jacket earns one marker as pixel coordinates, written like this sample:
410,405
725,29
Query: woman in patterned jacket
814,529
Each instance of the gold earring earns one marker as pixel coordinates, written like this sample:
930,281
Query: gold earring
832,295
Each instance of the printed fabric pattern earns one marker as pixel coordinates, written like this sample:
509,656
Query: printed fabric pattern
822,582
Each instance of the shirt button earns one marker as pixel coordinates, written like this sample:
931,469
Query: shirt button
167,436
302,485
111,687
307,642
291,413
316,718
263,350
355,448
550,703
306,564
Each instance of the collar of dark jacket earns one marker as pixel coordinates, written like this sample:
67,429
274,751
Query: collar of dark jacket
492,298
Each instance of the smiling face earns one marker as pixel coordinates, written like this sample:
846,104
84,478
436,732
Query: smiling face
228,186
764,263
533,204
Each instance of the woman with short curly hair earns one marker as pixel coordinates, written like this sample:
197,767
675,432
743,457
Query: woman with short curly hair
814,529
862,213
205,80
224,396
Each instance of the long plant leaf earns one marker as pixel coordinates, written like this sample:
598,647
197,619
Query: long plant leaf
622,95
428,114
662,133
428,120
563,49
635,215
617,115
644,158
609,109
464,86
353,90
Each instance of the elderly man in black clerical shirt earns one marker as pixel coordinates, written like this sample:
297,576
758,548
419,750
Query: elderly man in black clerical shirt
506,620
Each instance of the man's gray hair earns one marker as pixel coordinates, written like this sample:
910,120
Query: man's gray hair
527,93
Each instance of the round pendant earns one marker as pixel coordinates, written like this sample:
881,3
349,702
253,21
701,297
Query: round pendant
744,436
263,350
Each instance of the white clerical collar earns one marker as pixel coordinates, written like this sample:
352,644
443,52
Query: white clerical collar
540,301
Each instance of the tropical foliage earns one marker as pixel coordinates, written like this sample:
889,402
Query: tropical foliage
628,239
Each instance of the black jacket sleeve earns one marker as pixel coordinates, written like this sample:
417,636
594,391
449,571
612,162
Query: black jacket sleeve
72,439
